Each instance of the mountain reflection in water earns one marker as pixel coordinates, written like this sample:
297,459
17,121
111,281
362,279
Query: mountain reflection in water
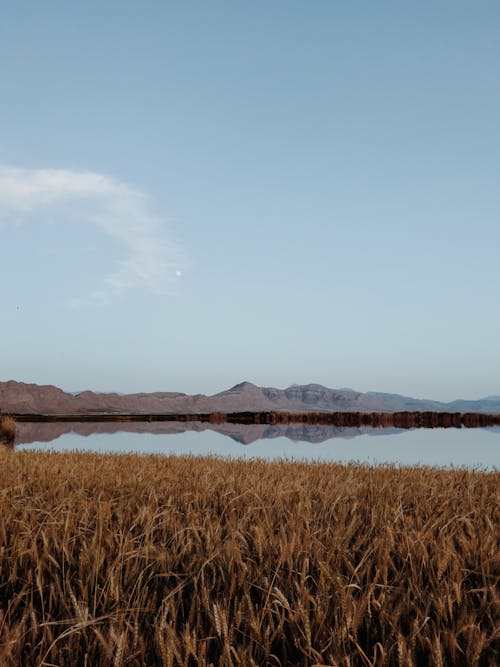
468,447
245,434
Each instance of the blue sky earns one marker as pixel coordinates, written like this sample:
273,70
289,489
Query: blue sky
197,193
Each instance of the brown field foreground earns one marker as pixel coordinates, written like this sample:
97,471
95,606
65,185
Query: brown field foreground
149,560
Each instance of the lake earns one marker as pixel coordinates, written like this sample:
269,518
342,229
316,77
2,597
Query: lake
471,447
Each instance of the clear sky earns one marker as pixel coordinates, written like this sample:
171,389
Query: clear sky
193,194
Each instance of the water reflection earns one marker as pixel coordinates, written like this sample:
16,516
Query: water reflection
29,432
444,447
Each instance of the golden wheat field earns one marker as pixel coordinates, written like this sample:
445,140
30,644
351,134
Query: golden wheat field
150,560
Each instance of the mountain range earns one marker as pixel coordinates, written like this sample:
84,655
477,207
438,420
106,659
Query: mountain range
22,398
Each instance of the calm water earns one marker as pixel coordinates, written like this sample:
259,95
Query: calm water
441,447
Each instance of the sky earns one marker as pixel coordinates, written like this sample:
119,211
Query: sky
193,194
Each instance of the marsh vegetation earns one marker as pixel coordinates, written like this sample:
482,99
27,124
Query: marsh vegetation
153,560
7,429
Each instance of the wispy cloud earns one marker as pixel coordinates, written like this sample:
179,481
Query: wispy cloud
150,262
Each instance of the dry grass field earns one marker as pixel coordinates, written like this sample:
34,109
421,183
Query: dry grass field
130,560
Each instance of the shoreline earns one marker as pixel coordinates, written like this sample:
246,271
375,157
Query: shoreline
404,419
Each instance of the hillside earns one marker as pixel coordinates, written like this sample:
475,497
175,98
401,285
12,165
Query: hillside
22,398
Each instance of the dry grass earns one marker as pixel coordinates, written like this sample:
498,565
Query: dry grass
127,560
7,429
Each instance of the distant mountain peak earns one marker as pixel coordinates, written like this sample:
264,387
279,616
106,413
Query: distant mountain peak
241,386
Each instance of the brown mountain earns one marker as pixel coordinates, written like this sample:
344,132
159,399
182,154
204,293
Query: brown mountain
21,398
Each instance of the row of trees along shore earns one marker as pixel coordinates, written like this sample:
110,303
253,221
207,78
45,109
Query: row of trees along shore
357,419
405,420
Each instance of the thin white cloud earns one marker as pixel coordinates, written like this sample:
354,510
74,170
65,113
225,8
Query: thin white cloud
119,210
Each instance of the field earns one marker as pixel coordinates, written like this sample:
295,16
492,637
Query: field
148,560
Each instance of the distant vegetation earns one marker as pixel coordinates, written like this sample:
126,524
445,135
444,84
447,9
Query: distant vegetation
151,560
348,419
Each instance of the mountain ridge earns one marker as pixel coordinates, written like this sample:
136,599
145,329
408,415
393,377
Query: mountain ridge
29,398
